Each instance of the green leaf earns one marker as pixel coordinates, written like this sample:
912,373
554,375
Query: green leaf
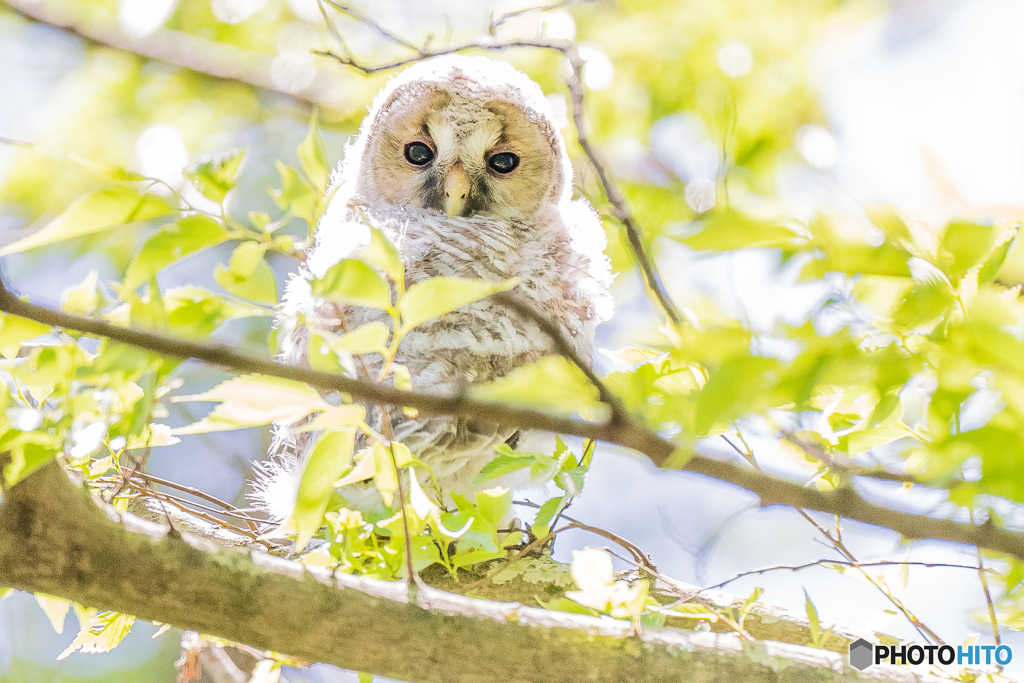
296,195
888,220
195,313
81,299
313,156
330,457
217,177
334,418
176,241
439,295
112,171
493,505
733,390
102,633
994,262
254,400
814,624
843,252
552,383
351,281
929,299
248,275
381,253
15,330
386,477
369,338
728,229
147,312
964,245
27,452
94,213
508,461
571,481
548,511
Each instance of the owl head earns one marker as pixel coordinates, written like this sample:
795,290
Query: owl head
467,136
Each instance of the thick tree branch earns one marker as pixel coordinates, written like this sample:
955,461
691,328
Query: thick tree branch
55,539
183,50
844,501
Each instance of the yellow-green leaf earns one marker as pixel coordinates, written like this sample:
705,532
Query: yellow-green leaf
55,609
254,400
112,171
382,253
313,156
330,457
364,469
386,477
368,338
552,383
353,282
91,214
296,195
439,295
248,275
83,298
176,241
103,633
15,330
217,177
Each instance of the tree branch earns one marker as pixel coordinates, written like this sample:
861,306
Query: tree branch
184,50
55,539
844,501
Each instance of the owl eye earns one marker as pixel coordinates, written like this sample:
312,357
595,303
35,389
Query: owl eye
505,162
418,154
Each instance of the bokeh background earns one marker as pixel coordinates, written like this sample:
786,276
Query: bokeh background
799,105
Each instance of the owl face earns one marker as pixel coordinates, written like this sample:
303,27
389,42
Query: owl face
433,147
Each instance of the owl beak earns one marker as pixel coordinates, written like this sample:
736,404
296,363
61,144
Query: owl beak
456,187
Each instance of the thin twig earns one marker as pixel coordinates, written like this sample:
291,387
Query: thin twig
993,620
363,19
501,19
229,509
639,556
842,469
842,563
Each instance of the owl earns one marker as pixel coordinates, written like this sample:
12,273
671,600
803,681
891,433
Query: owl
461,164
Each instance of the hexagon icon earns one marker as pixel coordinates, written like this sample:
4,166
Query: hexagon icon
861,654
